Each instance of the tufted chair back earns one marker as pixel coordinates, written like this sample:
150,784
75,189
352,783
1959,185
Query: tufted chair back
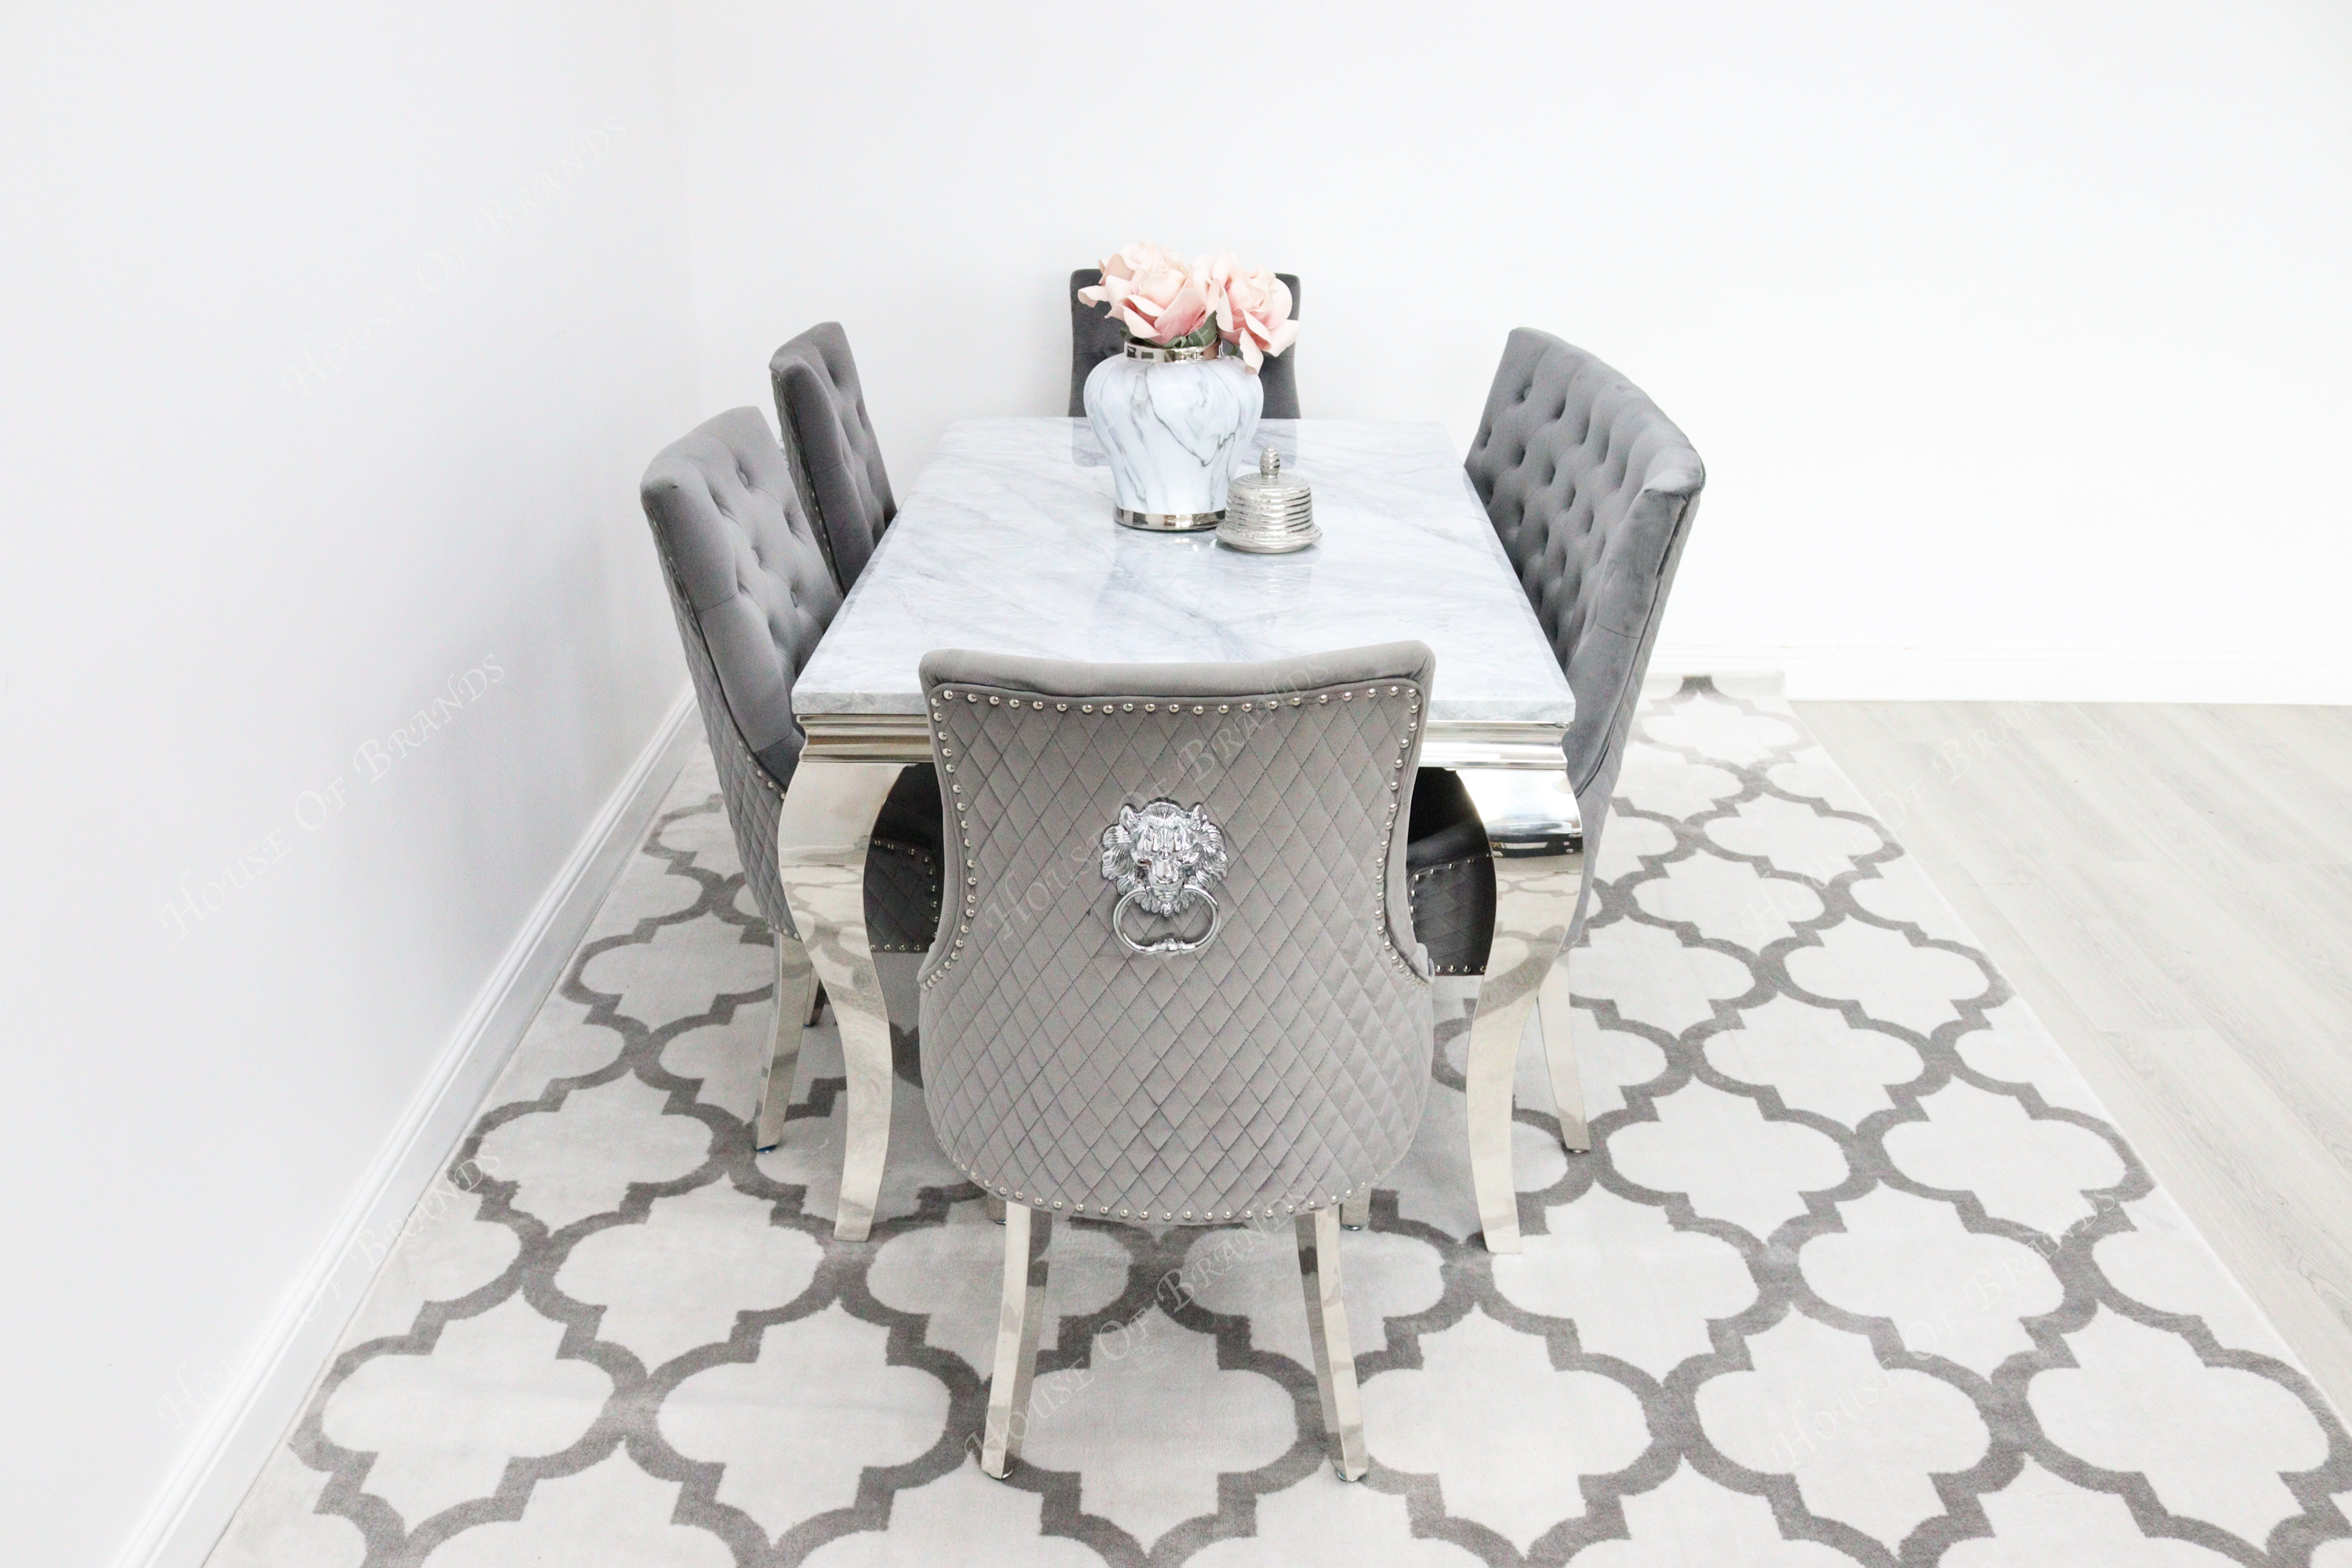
1592,490
1095,337
1277,1069
753,595
822,408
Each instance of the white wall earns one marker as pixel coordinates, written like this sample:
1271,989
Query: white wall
2014,335
334,342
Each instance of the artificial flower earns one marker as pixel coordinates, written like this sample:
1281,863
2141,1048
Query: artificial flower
1156,296
1150,293
1251,307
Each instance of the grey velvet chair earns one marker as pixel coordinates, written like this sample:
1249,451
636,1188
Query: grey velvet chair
752,593
1179,993
837,461
1592,492
1095,337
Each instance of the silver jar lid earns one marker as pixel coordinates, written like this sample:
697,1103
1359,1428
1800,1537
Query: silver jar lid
1270,512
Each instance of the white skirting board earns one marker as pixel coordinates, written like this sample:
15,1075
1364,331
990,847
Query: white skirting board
186,1518
2026,674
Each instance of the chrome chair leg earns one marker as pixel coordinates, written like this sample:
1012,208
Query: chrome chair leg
997,1208
1356,1213
1327,1333
1027,1233
1552,1013
795,985
822,835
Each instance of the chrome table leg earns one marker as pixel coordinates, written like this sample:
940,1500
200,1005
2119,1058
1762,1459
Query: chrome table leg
1327,1333
822,837
1027,1233
1552,1010
1539,850
795,989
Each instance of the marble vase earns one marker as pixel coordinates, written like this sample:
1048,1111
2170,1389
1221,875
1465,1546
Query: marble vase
1173,423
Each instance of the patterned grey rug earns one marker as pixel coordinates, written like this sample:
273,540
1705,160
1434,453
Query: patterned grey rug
1857,1271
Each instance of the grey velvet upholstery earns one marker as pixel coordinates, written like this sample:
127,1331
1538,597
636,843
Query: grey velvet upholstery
821,406
1592,492
1095,337
753,594
1278,1069
731,529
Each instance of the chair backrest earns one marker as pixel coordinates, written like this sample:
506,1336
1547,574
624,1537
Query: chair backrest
822,407
1277,1069
1095,337
1592,490
753,595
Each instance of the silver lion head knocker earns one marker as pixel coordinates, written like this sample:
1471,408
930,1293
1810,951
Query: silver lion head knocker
1163,857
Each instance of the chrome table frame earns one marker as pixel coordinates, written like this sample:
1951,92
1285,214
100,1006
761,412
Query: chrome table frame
822,837
1538,849
1513,772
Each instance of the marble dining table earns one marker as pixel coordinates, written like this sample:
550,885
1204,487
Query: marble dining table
1006,544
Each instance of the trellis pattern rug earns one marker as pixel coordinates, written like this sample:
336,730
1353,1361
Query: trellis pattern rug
1857,1272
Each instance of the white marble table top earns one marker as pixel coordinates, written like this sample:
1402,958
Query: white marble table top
1006,543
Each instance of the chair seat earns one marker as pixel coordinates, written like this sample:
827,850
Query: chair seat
1449,874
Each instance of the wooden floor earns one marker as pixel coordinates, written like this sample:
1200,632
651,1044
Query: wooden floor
2170,886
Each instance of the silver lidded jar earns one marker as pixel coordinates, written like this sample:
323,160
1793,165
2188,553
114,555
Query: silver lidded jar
1270,512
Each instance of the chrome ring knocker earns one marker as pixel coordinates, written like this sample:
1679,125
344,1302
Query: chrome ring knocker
1163,857
1166,944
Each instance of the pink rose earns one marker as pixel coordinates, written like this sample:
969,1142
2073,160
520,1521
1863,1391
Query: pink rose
1251,307
1151,293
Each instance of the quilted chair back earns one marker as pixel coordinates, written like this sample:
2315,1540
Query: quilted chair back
822,408
753,595
1274,1070
1095,337
1592,490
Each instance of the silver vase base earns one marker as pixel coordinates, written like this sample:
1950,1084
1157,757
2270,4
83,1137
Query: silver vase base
1169,521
